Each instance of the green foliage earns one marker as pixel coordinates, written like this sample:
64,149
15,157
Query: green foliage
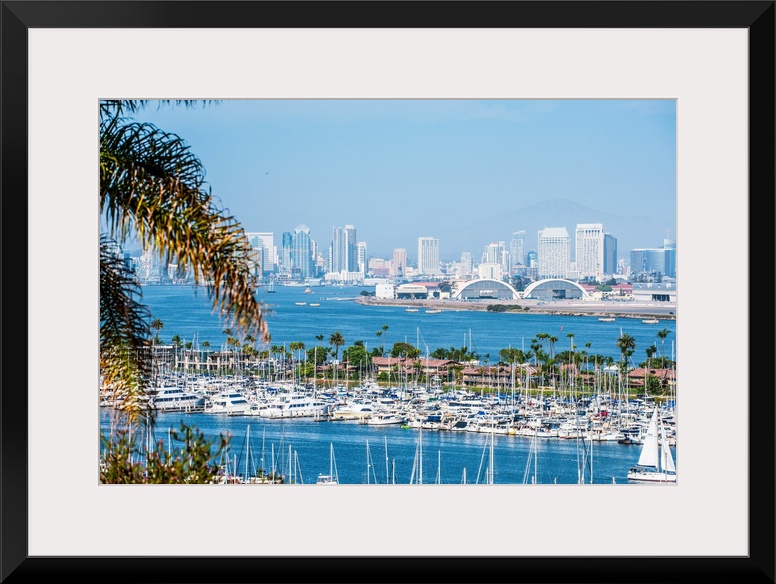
404,350
317,354
504,307
191,461
356,356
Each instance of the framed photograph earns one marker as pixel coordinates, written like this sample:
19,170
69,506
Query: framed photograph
713,59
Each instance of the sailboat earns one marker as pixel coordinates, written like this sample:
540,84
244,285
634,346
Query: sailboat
332,478
656,464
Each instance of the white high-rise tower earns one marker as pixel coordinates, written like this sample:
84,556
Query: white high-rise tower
554,252
428,256
590,250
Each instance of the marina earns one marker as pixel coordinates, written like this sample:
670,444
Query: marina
479,422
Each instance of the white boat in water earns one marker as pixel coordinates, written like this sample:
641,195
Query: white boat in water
384,419
358,408
656,463
175,399
230,402
650,321
296,406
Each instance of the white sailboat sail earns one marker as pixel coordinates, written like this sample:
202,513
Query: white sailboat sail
656,463
649,451
666,459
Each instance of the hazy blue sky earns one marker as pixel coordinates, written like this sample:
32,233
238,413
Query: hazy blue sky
468,172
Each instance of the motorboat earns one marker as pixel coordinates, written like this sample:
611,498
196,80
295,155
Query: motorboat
230,402
296,405
384,419
175,399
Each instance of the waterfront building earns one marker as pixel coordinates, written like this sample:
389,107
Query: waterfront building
484,289
610,254
654,262
555,289
590,251
399,265
654,291
385,291
428,256
554,252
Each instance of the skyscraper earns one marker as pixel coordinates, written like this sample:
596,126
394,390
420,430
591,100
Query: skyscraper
590,250
554,252
399,265
343,253
287,248
265,241
610,254
517,248
428,256
361,257
301,254
467,267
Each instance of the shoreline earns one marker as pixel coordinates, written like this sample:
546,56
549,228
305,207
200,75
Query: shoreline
557,307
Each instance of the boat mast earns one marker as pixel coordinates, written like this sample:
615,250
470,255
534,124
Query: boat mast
386,459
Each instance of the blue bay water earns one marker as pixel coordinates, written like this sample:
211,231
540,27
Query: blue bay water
391,452
301,448
186,311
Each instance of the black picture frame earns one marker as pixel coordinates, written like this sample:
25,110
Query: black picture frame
19,16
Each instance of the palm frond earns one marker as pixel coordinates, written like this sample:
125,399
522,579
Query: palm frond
125,357
150,182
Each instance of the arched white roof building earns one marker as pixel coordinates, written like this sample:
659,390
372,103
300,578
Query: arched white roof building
485,288
556,288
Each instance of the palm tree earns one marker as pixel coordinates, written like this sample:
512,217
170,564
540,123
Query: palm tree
157,325
384,330
662,335
627,344
152,191
380,334
337,340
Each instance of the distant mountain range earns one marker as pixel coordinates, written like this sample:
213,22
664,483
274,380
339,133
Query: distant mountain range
631,231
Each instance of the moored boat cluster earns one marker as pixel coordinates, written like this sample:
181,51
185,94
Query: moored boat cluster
548,413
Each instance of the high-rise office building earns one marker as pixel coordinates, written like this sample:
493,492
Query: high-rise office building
590,250
554,252
399,264
361,257
467,266
428,256
610,254
517,248
286,251
301,254
343,253
654,260
265,242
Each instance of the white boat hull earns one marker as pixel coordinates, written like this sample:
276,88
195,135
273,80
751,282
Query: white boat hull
647,476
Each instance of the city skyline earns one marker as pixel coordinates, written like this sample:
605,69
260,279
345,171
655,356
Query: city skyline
468,171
